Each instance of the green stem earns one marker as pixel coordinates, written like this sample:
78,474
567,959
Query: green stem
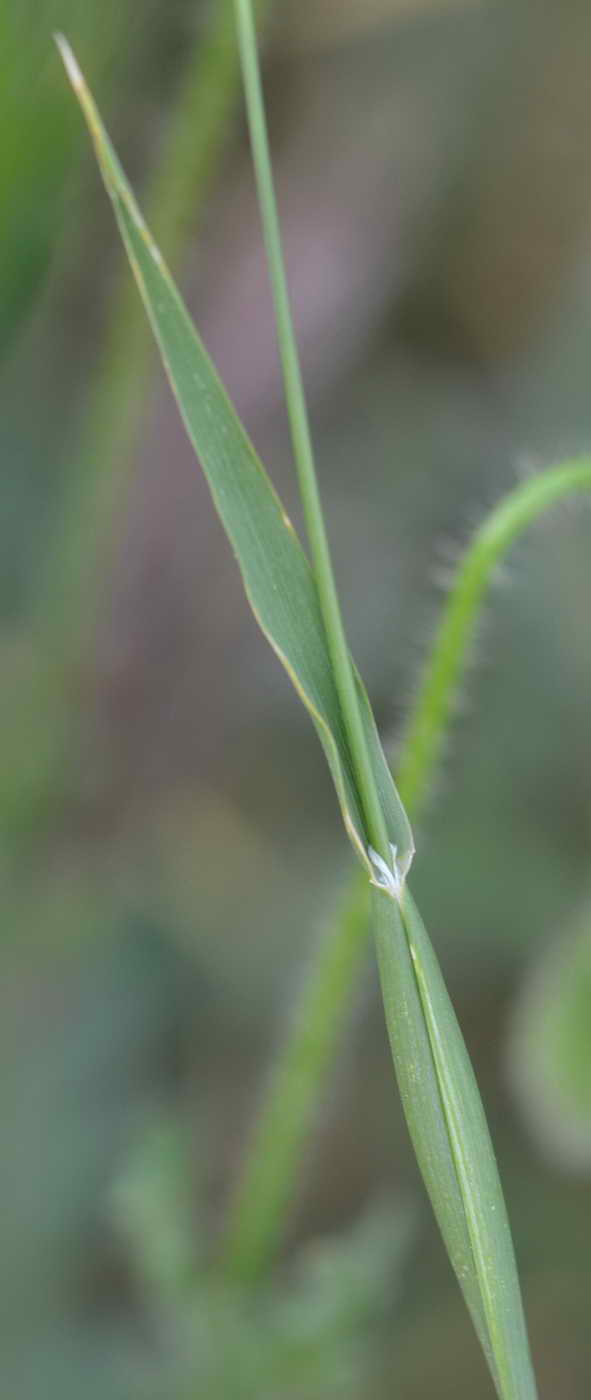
266,1189
302,442
256,1220
430,714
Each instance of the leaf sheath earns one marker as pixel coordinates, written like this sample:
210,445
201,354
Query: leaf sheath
448,1128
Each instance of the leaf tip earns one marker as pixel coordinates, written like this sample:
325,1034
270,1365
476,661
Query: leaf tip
69,62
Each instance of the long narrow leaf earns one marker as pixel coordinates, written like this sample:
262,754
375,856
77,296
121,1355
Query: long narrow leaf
277,577
451,1139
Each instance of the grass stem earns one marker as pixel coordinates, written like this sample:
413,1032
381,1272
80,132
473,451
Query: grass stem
302,441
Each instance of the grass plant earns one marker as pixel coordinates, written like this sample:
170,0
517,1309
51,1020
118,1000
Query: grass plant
296,604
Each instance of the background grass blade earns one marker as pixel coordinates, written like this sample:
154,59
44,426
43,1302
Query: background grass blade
257,1216
277,577
68,592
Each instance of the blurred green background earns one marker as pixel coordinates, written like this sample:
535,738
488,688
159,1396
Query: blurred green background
169,836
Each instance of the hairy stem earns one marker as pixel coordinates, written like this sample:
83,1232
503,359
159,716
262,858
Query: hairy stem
429,717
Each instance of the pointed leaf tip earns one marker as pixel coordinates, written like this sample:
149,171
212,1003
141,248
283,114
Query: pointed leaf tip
69,62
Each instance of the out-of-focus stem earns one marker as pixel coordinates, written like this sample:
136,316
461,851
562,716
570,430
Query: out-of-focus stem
257,1215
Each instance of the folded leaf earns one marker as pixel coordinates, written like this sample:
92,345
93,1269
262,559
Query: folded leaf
276,574
451,1139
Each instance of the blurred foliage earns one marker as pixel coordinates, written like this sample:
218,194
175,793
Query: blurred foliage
40,136
316,1332
550,1049
435,187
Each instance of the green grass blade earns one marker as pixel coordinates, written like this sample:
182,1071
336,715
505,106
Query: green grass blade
98,480
276,574
450,1136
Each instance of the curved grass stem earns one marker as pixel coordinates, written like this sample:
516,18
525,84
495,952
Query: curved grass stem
429,717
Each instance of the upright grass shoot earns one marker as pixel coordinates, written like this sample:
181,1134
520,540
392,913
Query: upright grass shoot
297,608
